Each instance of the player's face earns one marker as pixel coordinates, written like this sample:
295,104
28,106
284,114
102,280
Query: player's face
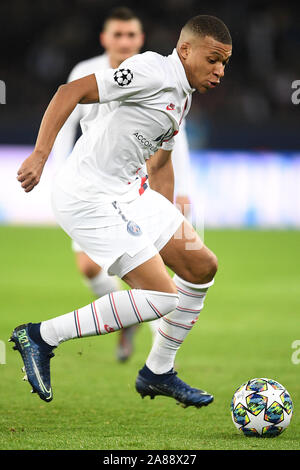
122,39
205,63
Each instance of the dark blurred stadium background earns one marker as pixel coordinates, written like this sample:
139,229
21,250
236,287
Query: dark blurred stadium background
251,111
42,41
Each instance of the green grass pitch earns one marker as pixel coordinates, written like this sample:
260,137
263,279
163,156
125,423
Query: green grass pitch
246,330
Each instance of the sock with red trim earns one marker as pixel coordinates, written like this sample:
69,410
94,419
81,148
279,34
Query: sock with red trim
174,327
109,313
154,325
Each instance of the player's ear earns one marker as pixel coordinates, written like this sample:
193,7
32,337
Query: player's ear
184,49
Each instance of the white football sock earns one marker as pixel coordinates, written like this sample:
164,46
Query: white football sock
174,327
154,325
102,283
109,313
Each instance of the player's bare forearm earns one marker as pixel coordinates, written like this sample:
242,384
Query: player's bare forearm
161,174
83,91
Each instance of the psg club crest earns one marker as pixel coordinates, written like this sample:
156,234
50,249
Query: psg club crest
123,77
133,228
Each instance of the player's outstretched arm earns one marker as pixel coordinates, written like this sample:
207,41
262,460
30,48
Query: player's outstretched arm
161,174
85,91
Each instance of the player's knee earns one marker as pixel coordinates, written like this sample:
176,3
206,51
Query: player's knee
203,270
212,265
209,268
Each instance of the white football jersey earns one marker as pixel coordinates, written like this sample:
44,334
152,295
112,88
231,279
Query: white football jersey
154,96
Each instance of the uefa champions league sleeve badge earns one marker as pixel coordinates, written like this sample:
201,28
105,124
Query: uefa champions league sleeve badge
123,77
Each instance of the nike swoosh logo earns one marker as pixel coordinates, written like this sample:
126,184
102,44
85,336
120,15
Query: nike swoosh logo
40,381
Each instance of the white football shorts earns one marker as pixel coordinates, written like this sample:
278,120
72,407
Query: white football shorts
75,247
118,236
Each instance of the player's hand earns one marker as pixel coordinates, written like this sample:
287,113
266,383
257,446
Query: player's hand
30,171
183,203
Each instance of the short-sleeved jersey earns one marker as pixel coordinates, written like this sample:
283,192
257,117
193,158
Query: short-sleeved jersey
154,96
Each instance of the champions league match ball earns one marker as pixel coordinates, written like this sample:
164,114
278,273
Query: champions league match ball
261,408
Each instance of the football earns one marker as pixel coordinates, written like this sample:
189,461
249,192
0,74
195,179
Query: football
261,408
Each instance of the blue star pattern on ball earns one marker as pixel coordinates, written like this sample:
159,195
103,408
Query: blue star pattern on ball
261,407
123,77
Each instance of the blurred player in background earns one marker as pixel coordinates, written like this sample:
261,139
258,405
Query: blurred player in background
122,37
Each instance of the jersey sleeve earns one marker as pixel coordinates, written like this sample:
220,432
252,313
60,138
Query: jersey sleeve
169,144
135,80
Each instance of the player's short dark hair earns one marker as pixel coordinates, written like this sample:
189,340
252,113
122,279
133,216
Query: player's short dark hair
206,25
121,13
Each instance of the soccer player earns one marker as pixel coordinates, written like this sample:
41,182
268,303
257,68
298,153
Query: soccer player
119,221
122,36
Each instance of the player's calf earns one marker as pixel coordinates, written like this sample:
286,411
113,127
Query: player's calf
107,314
